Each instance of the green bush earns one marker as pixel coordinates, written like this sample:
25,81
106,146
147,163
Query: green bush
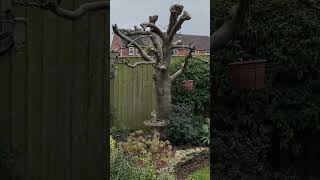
199,72
286,33
122,168
147,152
141,158
120,133
184,128
205,132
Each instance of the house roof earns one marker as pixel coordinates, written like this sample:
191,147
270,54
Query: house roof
200,42
145,41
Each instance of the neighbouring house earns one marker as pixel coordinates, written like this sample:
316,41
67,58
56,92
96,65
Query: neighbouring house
202,44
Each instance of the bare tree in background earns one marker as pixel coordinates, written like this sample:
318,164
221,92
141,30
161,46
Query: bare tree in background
232,26
54,7
162,51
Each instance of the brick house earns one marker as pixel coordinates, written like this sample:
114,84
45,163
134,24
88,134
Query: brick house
202,44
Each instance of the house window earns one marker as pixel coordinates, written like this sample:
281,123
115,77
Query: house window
131,51
137,52
174,52
207,53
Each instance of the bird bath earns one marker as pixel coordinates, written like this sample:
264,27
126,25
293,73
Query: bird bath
155,125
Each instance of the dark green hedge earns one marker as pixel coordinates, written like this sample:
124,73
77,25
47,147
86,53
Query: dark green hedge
287,34
199,72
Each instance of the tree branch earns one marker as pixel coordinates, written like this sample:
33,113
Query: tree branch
311,4
137,63
183,67
136,32
155,31
143,54
65,13
175,11
228,30
154,28
157,46
184,17
134,40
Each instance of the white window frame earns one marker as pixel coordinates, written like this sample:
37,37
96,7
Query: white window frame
174,52
131,51
137,52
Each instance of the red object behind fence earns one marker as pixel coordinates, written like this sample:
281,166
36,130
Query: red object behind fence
248,74
187,85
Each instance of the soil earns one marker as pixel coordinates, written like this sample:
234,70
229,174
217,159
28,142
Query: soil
186,170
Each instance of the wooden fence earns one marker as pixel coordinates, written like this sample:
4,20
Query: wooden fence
132,96
52,97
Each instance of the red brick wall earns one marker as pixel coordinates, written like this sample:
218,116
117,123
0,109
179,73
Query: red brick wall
201,52
184,52
116,42
125,52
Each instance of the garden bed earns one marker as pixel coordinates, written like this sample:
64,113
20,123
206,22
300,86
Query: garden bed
185,170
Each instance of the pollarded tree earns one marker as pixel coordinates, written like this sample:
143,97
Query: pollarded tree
162,50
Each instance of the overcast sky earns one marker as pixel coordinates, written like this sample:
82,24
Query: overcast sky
127,13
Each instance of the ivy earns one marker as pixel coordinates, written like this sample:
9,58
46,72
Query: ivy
287,34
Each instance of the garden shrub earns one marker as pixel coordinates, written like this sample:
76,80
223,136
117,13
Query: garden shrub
205,132
199,72
120,133
122,168
238,157
184,128
147,152
153,158
112,144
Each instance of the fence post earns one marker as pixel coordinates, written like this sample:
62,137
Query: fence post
6,25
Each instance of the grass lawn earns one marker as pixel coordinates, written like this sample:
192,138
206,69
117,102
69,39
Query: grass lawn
201,174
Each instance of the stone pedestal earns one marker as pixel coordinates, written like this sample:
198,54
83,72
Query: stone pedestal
155,126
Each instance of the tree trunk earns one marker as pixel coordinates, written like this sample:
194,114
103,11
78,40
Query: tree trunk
163,91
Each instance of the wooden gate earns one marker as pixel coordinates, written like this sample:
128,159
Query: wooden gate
53,96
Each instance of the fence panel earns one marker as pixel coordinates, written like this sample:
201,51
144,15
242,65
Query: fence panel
132,97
